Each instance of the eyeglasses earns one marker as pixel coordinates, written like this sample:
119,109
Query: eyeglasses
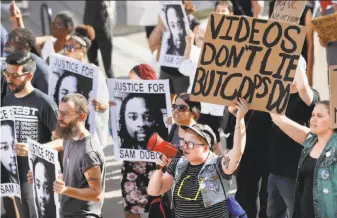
71,48
180,107
14,75
185,198
65,114
189,145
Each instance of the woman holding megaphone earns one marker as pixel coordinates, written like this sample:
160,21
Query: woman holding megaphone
200,179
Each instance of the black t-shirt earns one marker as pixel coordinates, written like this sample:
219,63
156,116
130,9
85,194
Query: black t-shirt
35,117
189,189
242,7
258,126
306,173
284,151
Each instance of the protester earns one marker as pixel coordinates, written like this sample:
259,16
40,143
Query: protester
61,28
285,152
200,179
81,188
211,114
223,7
22,39
185,113
179,82
77,47
316,183
40,118
100,15
308,46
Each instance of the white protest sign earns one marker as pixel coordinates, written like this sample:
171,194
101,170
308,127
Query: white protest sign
173,42
288,11
67,75
10,181
142,108
142,13
43,162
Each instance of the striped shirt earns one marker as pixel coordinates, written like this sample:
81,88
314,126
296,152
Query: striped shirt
189,189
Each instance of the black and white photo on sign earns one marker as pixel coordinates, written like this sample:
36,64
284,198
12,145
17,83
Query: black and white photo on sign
43,162
173,42
142,13
142,108
67,75
10,182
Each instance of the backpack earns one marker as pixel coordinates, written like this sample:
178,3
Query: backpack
160,207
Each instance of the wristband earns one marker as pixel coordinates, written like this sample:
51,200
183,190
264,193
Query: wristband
159,167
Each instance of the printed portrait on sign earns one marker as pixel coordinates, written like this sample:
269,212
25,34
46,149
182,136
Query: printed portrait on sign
68,82
43,180
9,168
174,17
140,115
173,42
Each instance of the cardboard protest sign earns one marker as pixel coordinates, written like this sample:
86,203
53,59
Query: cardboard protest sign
48,48
333,96
326,27
173,42
67,75
142,108
43,162
288,11
142,13
10,182
248,57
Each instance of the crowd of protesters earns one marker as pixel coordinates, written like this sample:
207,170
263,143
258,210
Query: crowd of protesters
285,165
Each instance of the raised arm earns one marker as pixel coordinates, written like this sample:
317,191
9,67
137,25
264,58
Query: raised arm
302,83
231,160
294,130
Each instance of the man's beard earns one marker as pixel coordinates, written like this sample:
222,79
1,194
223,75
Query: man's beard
18,88
67,132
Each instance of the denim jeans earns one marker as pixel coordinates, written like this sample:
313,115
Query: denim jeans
281,196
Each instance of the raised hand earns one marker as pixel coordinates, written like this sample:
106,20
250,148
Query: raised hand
242,108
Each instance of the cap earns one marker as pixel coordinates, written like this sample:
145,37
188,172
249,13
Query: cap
204,131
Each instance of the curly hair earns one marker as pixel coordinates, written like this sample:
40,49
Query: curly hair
151,102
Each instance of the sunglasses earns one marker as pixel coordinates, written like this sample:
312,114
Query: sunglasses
71,48
180,107
14,75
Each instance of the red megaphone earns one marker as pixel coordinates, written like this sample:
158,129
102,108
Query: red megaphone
156,143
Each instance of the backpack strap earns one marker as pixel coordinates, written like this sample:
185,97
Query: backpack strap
172,131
